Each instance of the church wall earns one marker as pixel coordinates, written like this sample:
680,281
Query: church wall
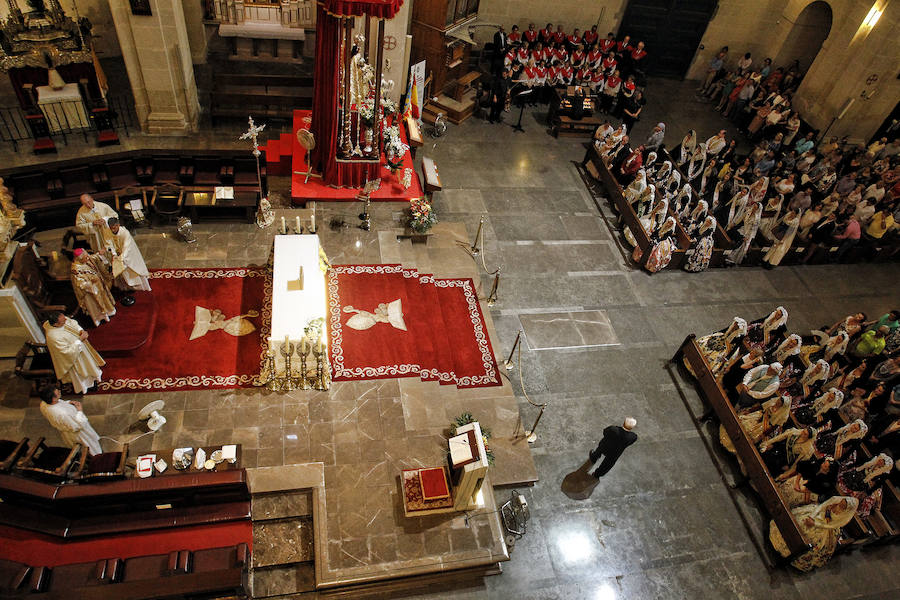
841,68
568,13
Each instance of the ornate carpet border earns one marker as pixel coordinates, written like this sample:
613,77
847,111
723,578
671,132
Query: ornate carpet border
203,381
340,371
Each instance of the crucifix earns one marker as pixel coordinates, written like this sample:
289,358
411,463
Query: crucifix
252,134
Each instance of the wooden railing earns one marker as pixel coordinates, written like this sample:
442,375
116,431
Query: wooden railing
287,13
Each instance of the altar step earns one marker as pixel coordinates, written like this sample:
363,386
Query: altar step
281,510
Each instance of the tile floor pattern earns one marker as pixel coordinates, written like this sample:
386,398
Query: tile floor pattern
662,524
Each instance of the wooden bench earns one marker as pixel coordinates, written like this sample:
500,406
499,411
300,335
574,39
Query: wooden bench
272,96
756,469
464,84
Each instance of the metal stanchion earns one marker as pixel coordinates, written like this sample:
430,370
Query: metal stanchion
479,237
530,435
492,297
508,363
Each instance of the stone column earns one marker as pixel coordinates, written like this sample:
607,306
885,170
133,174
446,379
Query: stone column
157,56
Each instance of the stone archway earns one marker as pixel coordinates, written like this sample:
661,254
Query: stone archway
810,30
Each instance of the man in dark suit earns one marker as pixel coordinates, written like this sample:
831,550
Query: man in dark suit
615,440
499,88
501,45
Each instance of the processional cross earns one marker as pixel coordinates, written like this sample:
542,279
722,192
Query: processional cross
253,134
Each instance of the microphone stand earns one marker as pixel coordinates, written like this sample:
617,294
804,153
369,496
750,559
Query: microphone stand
518,125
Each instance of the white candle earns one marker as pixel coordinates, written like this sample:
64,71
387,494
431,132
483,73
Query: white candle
283,226
299,228
312,222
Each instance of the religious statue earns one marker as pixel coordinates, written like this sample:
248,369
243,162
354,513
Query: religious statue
362,76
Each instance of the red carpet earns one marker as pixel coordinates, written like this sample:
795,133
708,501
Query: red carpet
129,330
171,361
390,190
34,548
445,337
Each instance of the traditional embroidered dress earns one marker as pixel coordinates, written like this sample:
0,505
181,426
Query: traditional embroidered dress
820,525
698,255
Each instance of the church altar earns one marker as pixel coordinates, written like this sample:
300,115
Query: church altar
299,308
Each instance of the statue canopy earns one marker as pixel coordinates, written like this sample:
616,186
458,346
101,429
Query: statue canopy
381,9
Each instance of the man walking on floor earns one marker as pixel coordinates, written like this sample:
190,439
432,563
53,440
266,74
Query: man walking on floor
615,440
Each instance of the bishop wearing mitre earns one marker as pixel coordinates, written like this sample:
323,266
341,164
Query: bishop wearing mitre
74,359
92,282
128,264
91,221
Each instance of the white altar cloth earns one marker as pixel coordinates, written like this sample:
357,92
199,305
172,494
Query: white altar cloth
63,109
293,309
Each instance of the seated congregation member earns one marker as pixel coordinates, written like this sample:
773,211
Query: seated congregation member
92,283
891,320
847,376
662,246
717,347
821,526
630,166
759,383
887,371
843,441
812,482
857,406
819,410
871,343
736,367
656,137
864,482
74,359
767,333
790,224
747,226
68,419
783,453
698,255
759,422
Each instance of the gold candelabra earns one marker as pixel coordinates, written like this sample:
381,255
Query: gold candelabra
290,378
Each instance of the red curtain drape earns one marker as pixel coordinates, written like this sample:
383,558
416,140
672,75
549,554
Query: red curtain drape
382,9
326,94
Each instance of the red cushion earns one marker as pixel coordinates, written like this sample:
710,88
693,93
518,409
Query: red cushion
434,483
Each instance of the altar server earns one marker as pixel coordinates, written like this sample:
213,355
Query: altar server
74,359
91,221
92,283
129,268
67,417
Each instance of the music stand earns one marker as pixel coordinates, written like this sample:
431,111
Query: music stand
519,98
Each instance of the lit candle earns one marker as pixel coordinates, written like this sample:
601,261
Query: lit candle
283,226
299,228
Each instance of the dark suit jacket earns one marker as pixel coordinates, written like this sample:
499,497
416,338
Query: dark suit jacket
615,440
501,42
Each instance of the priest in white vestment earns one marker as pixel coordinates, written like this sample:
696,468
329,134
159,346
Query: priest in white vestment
74,359
92,283
128,264
67,417
91,221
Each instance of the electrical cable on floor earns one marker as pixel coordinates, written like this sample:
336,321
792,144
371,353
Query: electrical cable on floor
106,437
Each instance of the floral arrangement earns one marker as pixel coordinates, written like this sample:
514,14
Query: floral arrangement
367,112
466,418
421,215
389,106
394,148
313,329
406,180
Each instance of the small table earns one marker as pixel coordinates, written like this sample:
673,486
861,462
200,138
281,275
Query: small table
166,454
204,203
64,109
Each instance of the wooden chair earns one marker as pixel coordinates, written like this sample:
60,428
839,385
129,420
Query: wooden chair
167,202
10,452
109,465
42,291
49,462
123,201
33,363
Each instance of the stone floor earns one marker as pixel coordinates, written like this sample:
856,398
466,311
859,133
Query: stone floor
662,524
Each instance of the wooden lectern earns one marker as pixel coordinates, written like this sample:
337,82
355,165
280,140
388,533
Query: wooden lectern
468,464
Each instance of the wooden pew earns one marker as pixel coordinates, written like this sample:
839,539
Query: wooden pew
756,469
